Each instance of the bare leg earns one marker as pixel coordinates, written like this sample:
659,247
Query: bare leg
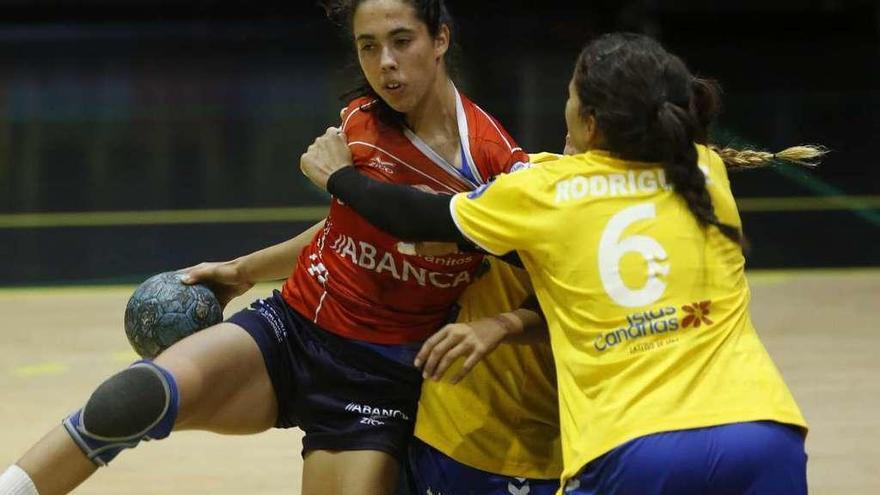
354,472
224,388
67,465
223,382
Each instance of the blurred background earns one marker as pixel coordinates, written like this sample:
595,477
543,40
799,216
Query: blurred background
139,136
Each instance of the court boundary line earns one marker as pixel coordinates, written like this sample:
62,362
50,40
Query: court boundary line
757,275
161,217
315,213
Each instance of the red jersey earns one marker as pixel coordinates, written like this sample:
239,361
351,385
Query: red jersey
351,280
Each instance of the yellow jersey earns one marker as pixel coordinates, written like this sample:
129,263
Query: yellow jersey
503,416
647,310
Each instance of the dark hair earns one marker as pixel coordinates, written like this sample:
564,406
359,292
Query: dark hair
650,108
706,105
431,12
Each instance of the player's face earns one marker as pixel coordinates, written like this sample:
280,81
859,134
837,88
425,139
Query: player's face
397,54
582,133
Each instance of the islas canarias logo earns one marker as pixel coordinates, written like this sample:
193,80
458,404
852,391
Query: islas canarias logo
658,321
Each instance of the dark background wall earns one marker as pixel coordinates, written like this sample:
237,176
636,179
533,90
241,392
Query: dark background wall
151,105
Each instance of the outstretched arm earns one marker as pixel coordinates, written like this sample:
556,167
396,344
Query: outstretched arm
402,211
230,279
278,261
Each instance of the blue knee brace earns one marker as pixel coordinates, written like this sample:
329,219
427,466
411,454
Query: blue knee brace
139,403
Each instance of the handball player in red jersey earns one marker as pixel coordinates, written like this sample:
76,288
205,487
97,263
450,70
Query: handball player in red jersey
332,353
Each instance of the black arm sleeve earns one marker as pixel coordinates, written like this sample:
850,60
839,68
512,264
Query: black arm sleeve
402,211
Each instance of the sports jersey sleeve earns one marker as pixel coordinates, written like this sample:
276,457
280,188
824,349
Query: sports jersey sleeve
495,217
354,116
718,185
502,156
542,157
495,151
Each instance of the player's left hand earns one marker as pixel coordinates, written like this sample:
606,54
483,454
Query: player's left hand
473,341
326,155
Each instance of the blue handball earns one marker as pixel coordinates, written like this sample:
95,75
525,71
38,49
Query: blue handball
163,310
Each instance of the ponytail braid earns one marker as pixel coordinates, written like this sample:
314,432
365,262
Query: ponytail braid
648,107
676,128
804,155
705,107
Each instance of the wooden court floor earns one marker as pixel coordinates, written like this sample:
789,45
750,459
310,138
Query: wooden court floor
56,345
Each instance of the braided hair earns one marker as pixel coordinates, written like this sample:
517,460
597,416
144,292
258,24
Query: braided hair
706,105
650,108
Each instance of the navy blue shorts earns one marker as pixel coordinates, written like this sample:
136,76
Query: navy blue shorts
755,458
343,395
431,471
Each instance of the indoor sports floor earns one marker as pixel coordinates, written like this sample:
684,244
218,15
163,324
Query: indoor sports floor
56,345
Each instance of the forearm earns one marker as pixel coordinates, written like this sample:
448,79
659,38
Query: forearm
474,340
526,324
402,211
523,325
275,262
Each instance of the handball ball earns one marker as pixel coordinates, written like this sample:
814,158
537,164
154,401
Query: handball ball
163,310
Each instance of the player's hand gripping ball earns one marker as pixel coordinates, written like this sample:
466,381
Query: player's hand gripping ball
163,310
